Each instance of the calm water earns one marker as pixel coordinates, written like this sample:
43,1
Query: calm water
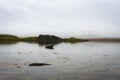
80,61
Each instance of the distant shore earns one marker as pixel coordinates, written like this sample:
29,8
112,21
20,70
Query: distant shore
7,37
52,38
104,39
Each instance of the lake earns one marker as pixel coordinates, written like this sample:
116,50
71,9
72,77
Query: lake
69,61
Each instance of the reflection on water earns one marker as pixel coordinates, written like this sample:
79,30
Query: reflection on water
7,42
80,61
47,44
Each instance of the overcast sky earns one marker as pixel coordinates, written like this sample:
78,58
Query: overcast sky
81,17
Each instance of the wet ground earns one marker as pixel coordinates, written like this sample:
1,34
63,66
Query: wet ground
80,61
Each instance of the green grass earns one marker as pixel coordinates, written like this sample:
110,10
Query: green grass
29,39
5,37
11,37
8,39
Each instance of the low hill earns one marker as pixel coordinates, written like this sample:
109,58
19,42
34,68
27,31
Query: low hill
8,37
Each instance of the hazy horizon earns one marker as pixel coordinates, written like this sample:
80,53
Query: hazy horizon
86,18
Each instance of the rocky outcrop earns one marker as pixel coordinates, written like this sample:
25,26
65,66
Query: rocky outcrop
46,39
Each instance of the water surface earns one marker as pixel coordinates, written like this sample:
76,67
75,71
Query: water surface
80,61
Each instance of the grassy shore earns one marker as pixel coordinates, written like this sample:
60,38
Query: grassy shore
6,37
45,39
74,40
10,39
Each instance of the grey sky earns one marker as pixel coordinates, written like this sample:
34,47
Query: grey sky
84,17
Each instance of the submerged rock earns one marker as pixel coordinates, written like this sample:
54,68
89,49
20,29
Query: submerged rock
39,64
49,47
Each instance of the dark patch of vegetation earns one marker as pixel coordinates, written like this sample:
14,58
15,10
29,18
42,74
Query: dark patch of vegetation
49,38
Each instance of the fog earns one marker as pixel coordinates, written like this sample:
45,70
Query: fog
85,18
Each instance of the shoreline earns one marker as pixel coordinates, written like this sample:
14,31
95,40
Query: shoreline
7,37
